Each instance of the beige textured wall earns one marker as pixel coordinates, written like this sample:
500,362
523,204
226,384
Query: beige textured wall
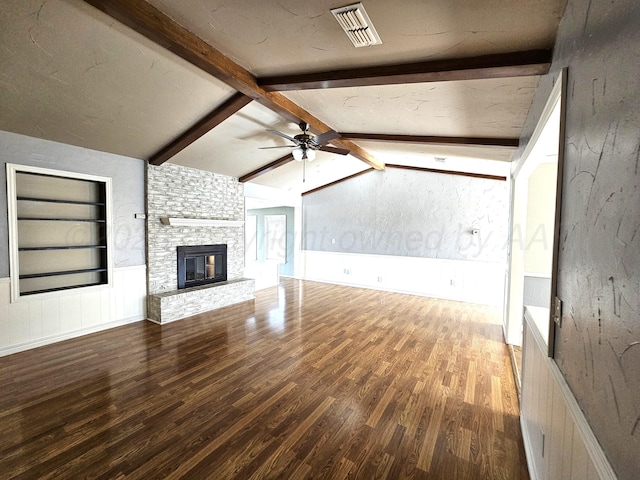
540,219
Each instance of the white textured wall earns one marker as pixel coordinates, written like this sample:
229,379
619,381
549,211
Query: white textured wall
410,213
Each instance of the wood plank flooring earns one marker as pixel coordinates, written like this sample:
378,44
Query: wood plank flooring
310,381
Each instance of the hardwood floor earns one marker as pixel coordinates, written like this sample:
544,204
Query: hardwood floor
309,381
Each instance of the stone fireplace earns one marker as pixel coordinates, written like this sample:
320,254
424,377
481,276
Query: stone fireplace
191,208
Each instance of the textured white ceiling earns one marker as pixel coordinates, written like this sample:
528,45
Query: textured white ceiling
492,108
73,74
234,145
414,153
324,169
70,74
293,36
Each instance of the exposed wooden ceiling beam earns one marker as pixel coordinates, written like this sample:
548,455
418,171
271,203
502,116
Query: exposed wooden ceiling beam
266,168
469,141
150,22
408,167
501,65
501,178
203,126
317,189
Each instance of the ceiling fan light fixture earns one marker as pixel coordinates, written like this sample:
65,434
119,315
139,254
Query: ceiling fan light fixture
298,154
357,25
311,154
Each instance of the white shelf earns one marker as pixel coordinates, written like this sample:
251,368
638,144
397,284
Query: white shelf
200,222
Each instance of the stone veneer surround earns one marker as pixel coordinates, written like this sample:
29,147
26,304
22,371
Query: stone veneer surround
176,304
176,191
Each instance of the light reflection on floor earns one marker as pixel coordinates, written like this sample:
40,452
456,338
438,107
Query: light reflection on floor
286,310
277,316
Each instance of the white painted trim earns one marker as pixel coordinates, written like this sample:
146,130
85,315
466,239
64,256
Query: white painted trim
74,291
529,453
297,241
538,316
200,222
130,267
537,275
108,205
66,336
594,450
12,211
60,293
56,172
514,298
549,107
12,218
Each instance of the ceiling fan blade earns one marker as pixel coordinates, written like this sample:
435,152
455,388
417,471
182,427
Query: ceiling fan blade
339,151
325,137
284,135
278,146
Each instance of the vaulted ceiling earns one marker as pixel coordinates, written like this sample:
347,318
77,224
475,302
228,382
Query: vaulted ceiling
199,82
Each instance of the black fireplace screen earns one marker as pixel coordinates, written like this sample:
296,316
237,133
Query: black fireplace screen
201,264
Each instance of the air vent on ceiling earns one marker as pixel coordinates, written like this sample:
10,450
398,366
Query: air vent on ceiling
357,25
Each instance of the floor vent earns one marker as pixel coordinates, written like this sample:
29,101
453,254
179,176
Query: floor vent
357,25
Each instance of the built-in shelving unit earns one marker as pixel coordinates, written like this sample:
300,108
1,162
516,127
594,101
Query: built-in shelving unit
60,236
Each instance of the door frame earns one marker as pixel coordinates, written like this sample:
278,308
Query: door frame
514,295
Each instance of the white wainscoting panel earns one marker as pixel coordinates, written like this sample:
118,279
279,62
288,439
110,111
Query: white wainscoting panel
38,320
558,440
462,280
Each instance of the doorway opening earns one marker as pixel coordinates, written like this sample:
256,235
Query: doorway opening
272,232
535,209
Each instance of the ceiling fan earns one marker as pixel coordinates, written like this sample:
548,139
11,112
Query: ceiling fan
306,145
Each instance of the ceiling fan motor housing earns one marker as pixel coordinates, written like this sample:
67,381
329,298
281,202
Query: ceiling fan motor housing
306,145
306,140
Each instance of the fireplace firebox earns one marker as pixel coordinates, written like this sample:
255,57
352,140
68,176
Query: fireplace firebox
201,264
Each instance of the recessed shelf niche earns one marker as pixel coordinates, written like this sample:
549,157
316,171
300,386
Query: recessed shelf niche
59,233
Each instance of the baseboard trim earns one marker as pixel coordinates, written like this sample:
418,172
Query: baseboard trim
529,454
516,369
67,336
452,298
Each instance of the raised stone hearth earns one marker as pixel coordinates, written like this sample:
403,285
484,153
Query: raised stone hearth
217,201
174,305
